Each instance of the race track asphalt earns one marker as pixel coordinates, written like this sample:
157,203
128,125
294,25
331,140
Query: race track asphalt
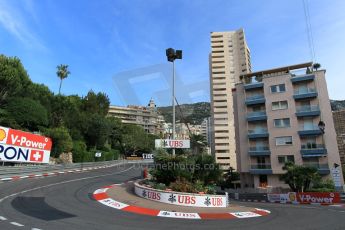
65,202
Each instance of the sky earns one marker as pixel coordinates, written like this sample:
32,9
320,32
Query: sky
118,46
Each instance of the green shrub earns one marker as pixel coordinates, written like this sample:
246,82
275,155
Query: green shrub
211,189
182,186
79,151
323,186
89,157
62,141
160,186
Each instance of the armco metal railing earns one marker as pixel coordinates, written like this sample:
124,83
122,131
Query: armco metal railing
9,171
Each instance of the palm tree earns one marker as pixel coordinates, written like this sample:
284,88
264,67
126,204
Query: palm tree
316,66
62,73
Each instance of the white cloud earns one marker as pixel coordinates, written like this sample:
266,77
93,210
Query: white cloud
11,19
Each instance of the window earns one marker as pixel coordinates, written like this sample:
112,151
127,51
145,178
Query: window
278,88
216,36
282,123
222,151
221,131
218,51
220,119
279,105
223,158
284,140
287,158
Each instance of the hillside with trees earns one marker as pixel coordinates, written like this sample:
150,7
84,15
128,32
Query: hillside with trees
196,112
192,113
76,124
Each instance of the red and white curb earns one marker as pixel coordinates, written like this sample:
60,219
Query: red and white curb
101,196
47,174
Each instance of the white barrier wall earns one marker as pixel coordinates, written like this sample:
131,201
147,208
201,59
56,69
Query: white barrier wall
183,199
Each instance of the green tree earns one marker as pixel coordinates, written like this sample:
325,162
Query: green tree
207,170
39,92
97,132
198,143
115,134
62,73
62,141
229,177
316,66
96,103
298,177
27,113
13,78
134,138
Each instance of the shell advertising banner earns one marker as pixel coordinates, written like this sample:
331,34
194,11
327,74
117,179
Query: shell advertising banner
306,197
19,146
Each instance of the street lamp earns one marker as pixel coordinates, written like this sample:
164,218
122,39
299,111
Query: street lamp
172,55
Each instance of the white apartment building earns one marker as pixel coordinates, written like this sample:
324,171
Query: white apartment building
229,58
147,117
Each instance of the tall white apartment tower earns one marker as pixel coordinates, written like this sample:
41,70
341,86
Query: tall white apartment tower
229,58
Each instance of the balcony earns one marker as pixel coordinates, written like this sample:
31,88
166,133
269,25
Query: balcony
309,131
261,169
255,100
305,93
308,111
257,116
254,85
259,151
303,78
257,133
323,169
313,150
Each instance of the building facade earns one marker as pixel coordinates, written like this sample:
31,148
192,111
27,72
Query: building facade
229,58
279,115
206,130
145,116
339,123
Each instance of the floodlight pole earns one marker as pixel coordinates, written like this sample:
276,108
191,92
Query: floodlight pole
173,105
172,55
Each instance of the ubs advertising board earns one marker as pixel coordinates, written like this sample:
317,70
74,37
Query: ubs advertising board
183,199
172,144
19,146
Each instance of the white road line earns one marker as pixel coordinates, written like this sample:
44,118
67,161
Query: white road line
35,229
16,224
3,218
